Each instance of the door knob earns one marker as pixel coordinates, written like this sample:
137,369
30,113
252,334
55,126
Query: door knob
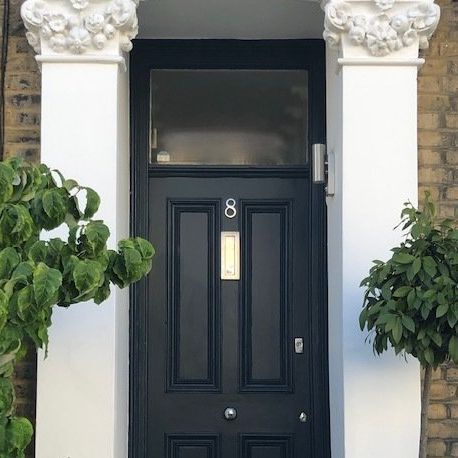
303,417
230,413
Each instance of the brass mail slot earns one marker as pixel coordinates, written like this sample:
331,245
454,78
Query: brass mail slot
230,256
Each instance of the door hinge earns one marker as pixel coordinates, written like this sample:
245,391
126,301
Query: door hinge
323,167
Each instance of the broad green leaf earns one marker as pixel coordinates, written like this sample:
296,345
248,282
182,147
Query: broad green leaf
403,291
70,184
23,269
92,203
403,258
397,330
391,323
19,433
408,323
55,205
87,275
102,293
97,235
9,259
441,310
6,395
411,298
25,299
46,283
436,338
425,311
363,319
429,356
144,247
3,310
452,319
429,266
416,266
6,182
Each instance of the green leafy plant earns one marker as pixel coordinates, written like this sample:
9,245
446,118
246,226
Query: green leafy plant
411,300
37,274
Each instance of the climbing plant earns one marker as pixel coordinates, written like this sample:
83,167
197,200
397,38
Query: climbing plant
411,300
38,274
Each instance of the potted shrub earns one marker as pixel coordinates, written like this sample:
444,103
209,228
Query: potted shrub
37,274
411,300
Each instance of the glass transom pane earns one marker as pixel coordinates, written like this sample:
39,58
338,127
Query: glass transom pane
229,117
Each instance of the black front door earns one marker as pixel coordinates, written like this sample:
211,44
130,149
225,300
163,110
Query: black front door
229,331
220,344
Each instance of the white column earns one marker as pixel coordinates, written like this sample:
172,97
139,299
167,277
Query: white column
372,129
82,406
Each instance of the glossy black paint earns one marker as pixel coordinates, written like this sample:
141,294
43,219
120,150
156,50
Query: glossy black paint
146,353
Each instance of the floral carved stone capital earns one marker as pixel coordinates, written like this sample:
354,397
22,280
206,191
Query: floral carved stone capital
79,26
385,26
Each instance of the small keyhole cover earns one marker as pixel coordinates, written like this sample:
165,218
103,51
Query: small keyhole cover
230,413
303,417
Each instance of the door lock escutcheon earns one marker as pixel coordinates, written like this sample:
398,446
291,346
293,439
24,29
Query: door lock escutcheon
299,345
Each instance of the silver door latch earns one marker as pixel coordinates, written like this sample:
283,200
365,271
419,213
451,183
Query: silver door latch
323,167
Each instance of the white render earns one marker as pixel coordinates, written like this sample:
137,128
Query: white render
375,402
83,392
82,405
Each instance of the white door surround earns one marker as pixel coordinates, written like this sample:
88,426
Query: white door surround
82,409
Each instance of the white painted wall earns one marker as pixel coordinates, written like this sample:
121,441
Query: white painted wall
82,407
372,128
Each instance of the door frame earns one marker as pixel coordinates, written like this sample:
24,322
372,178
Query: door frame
226,54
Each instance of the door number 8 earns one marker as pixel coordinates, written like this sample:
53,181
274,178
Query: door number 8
230,211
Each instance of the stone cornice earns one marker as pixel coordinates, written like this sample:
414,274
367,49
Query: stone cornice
381,27
75,27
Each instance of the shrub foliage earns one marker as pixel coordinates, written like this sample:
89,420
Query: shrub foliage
411,300
37,274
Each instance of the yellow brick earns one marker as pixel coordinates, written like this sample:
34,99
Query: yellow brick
437,448
437,411
429,157
429,84
434,66
432,102
452,194
452,157
446,429
454,451
451,120
428,120
430,138
441,390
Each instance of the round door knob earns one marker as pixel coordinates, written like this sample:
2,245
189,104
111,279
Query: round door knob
303,417
230,413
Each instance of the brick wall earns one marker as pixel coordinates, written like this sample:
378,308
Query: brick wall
22,92
22,133
438,172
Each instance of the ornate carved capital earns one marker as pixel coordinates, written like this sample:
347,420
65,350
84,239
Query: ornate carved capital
380,26
80,26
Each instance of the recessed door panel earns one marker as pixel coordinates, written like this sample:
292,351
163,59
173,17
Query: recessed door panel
192,446
266,446
265,344
193,296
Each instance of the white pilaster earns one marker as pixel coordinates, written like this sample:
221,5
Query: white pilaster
372,129
82,406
